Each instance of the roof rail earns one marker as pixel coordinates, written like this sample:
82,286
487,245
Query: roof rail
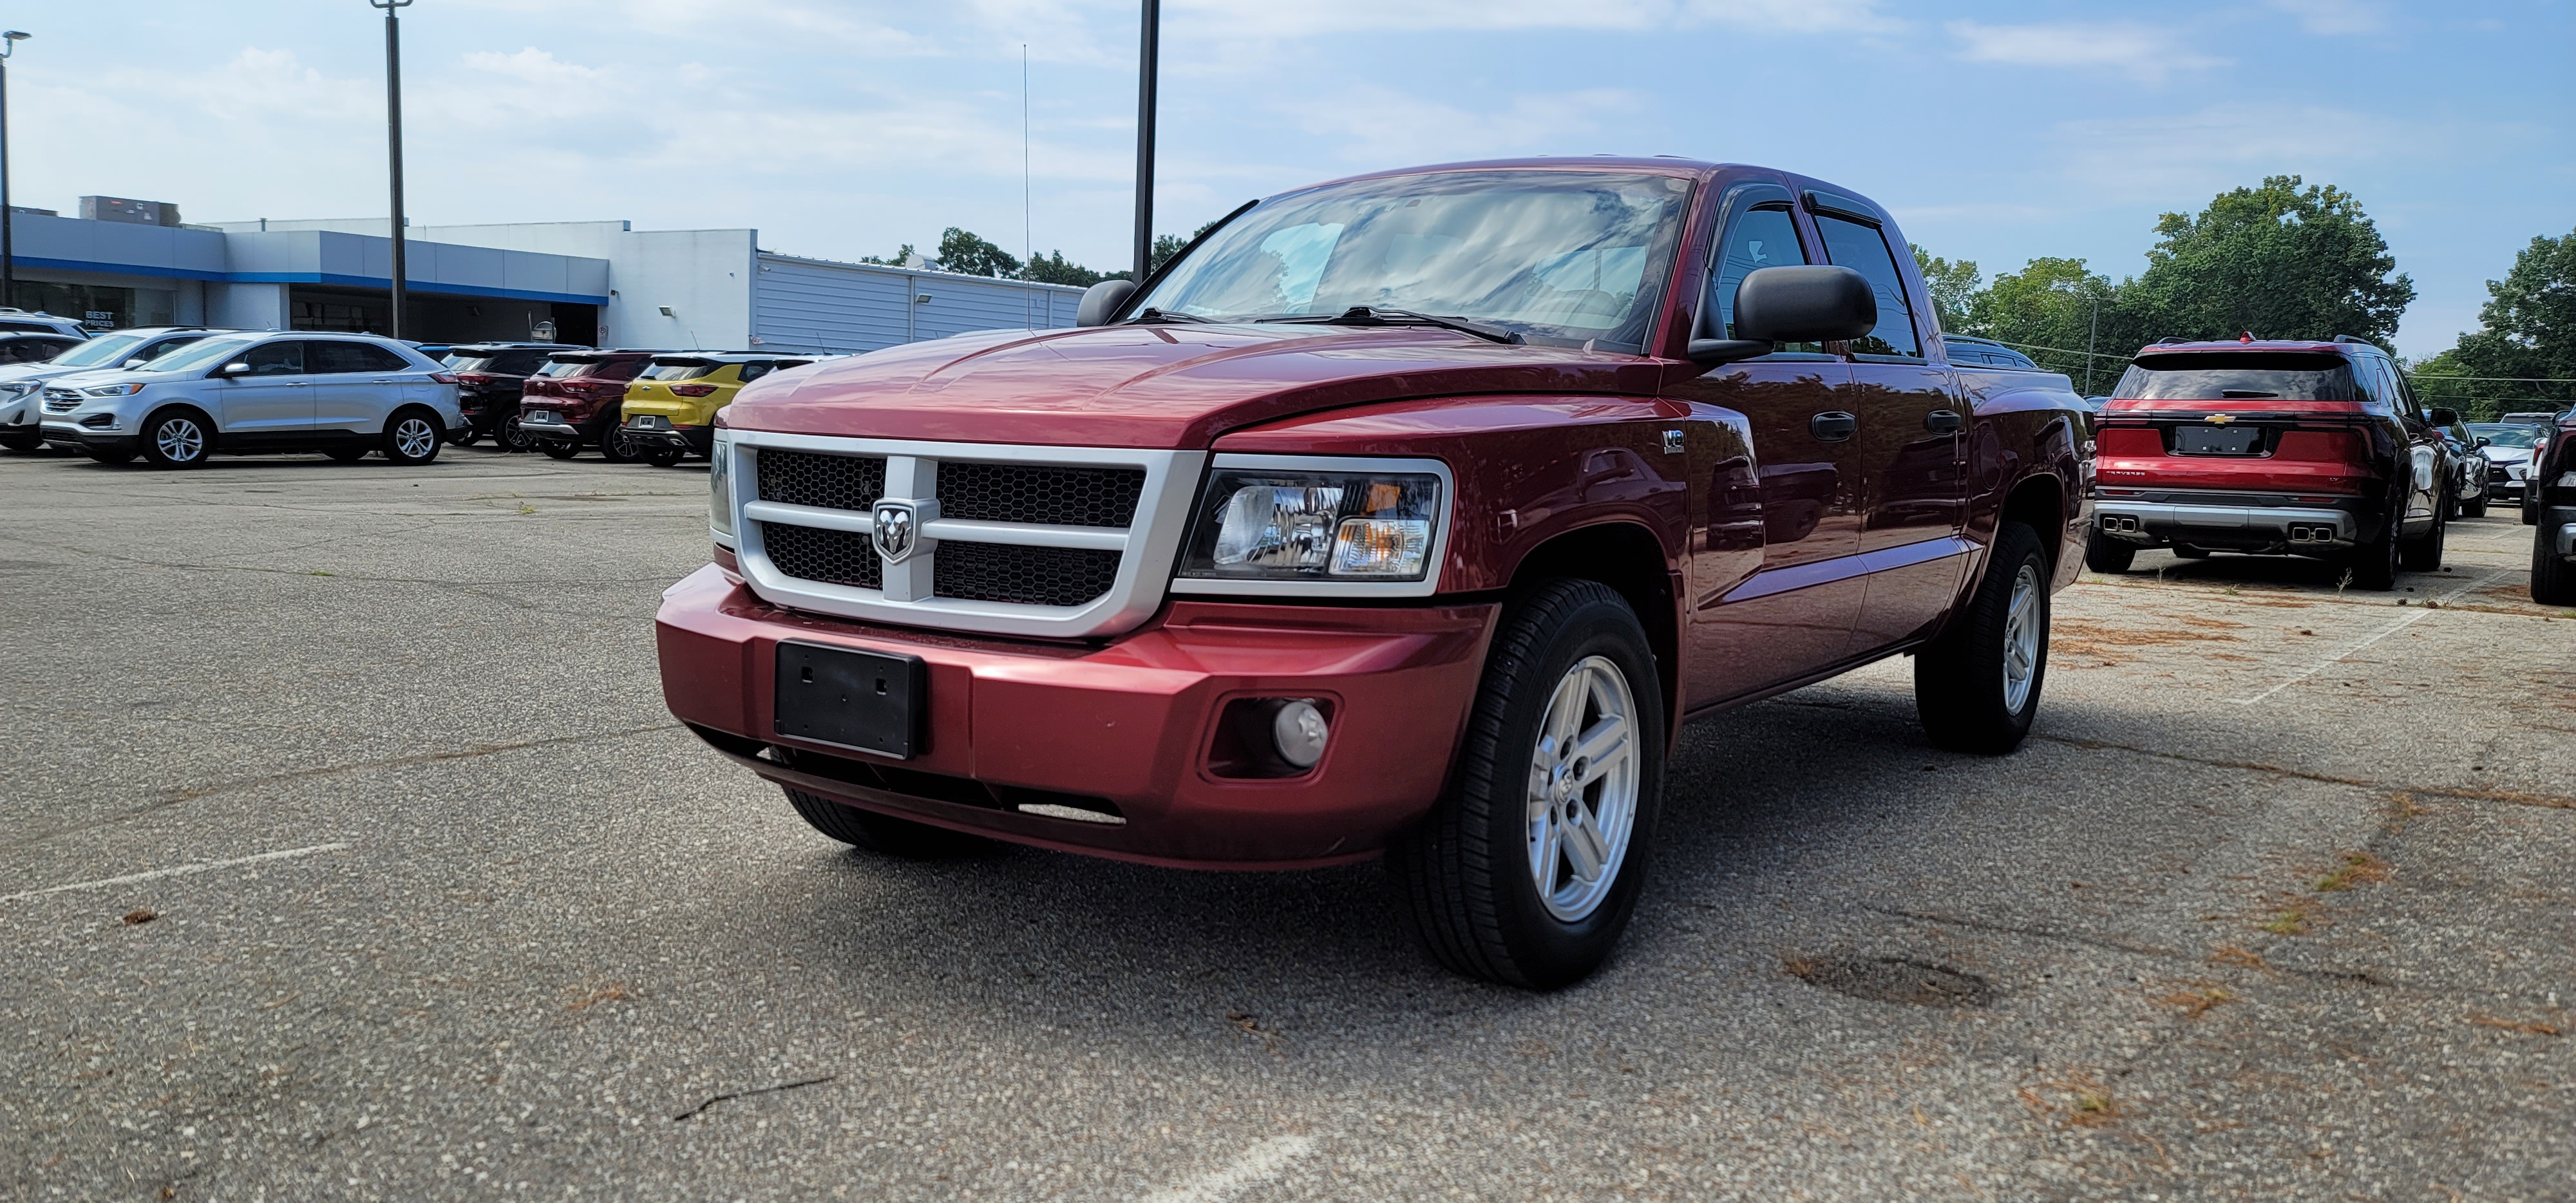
2346,338
2171,342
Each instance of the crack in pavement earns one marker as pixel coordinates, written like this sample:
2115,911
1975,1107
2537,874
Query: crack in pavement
2466,792
712,1100
467,753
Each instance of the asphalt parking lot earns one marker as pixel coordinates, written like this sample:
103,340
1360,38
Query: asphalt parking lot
2276,904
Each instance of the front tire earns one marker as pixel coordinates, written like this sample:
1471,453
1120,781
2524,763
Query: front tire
2474,509
882,833
177,438
559,449
412,437
614,446
1977,686
1528,869
2553,580
508,437
2425,554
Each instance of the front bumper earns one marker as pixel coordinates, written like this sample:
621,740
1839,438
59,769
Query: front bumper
82,438
2251,523
1131,722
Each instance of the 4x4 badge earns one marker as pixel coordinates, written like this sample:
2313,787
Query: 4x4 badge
896,533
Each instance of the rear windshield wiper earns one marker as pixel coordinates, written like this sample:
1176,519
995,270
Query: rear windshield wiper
1378,315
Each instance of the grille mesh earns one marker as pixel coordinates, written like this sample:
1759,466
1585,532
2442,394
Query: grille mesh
1046,495
1035,576
837,482
832,556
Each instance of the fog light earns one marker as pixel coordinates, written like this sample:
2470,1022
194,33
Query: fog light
1299,731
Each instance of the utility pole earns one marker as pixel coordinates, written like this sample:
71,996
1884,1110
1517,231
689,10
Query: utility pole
8,217
1145,69
393,141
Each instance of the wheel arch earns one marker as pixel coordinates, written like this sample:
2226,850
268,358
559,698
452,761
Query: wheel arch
205,419
1627,557
2039,501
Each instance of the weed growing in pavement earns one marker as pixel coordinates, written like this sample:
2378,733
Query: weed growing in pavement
2290,922
2197,1002
2527,1029
2229,954
2343,582
2080,1099
2358,868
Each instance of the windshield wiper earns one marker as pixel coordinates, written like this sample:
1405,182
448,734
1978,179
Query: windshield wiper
1378,315
1150,314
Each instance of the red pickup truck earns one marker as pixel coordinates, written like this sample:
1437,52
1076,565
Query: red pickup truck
2312,449
2550,503
1404,515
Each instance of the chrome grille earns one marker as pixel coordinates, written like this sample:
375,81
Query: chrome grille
1028,576
832,482
1046,495
61,400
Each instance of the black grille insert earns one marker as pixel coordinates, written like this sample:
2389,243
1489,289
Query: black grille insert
1035,576
832,556
1046,495
836,482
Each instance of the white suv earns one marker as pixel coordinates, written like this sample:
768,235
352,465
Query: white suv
340,394
22,385
41,323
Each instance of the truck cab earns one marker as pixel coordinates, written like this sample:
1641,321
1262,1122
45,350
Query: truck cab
1403,516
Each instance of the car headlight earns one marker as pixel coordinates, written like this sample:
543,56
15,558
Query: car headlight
1270,521
18,389
720,487
113,390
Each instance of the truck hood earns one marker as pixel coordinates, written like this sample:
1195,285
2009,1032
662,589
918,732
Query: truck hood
1171,387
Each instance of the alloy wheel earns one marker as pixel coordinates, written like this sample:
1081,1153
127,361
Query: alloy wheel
1582,800
179,439
415,438
2021,638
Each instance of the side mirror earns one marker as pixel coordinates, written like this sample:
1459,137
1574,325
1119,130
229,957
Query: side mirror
1805,305
235,368
2482,441
1102,299
2446,417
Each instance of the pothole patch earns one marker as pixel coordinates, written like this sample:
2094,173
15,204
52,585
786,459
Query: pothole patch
1893,980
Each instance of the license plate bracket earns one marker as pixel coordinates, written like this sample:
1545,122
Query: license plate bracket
2218,440
870,701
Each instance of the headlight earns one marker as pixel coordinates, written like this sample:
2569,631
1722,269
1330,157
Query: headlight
720,487
17,390
1314,521
114,390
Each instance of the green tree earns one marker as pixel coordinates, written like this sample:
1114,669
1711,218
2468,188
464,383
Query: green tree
2048,311
1953,287
895,260
2279,260
962,251
1054,268
2526,337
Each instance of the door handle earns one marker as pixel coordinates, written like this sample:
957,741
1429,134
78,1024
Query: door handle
1833,426
1942,421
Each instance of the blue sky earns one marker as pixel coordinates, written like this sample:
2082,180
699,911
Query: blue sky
1995,130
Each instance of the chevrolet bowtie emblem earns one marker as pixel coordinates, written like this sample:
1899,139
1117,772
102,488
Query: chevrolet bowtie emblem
2221,419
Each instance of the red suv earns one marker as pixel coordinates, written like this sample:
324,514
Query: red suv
575,401
2271,448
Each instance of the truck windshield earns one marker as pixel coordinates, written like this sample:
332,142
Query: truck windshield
2225,375
1553,256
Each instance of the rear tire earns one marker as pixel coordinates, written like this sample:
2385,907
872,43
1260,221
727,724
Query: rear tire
2374,564
2474,509
508,437
664,459
2425,554
2109,557
1977,686
613,444
558,449
2553,580
882,833
465,437
177,438
412,437
1560,775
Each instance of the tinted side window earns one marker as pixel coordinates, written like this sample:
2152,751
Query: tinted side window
377,359
276,359
623,369
2373,378
1762,238
165,345
754,371
355,357
1861,248
516,363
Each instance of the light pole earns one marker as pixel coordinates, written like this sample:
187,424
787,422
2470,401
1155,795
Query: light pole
8,219
1145,72
393,140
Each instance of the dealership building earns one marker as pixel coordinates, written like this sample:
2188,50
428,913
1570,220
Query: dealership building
603,283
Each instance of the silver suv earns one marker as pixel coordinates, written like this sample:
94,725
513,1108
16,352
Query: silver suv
22,385
340,394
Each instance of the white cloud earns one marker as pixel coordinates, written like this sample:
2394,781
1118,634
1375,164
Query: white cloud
2139,51
2337,16
2181,158
1381,126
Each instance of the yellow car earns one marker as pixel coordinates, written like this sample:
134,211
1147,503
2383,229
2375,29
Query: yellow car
670,410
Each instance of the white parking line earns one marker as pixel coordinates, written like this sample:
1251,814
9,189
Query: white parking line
180,871
2339,657
1258,1164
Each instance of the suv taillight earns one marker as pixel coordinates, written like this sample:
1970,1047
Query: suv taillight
443,377
694,390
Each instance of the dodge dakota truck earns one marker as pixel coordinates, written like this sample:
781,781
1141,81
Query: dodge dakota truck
2552,498
2267,447
1408,515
